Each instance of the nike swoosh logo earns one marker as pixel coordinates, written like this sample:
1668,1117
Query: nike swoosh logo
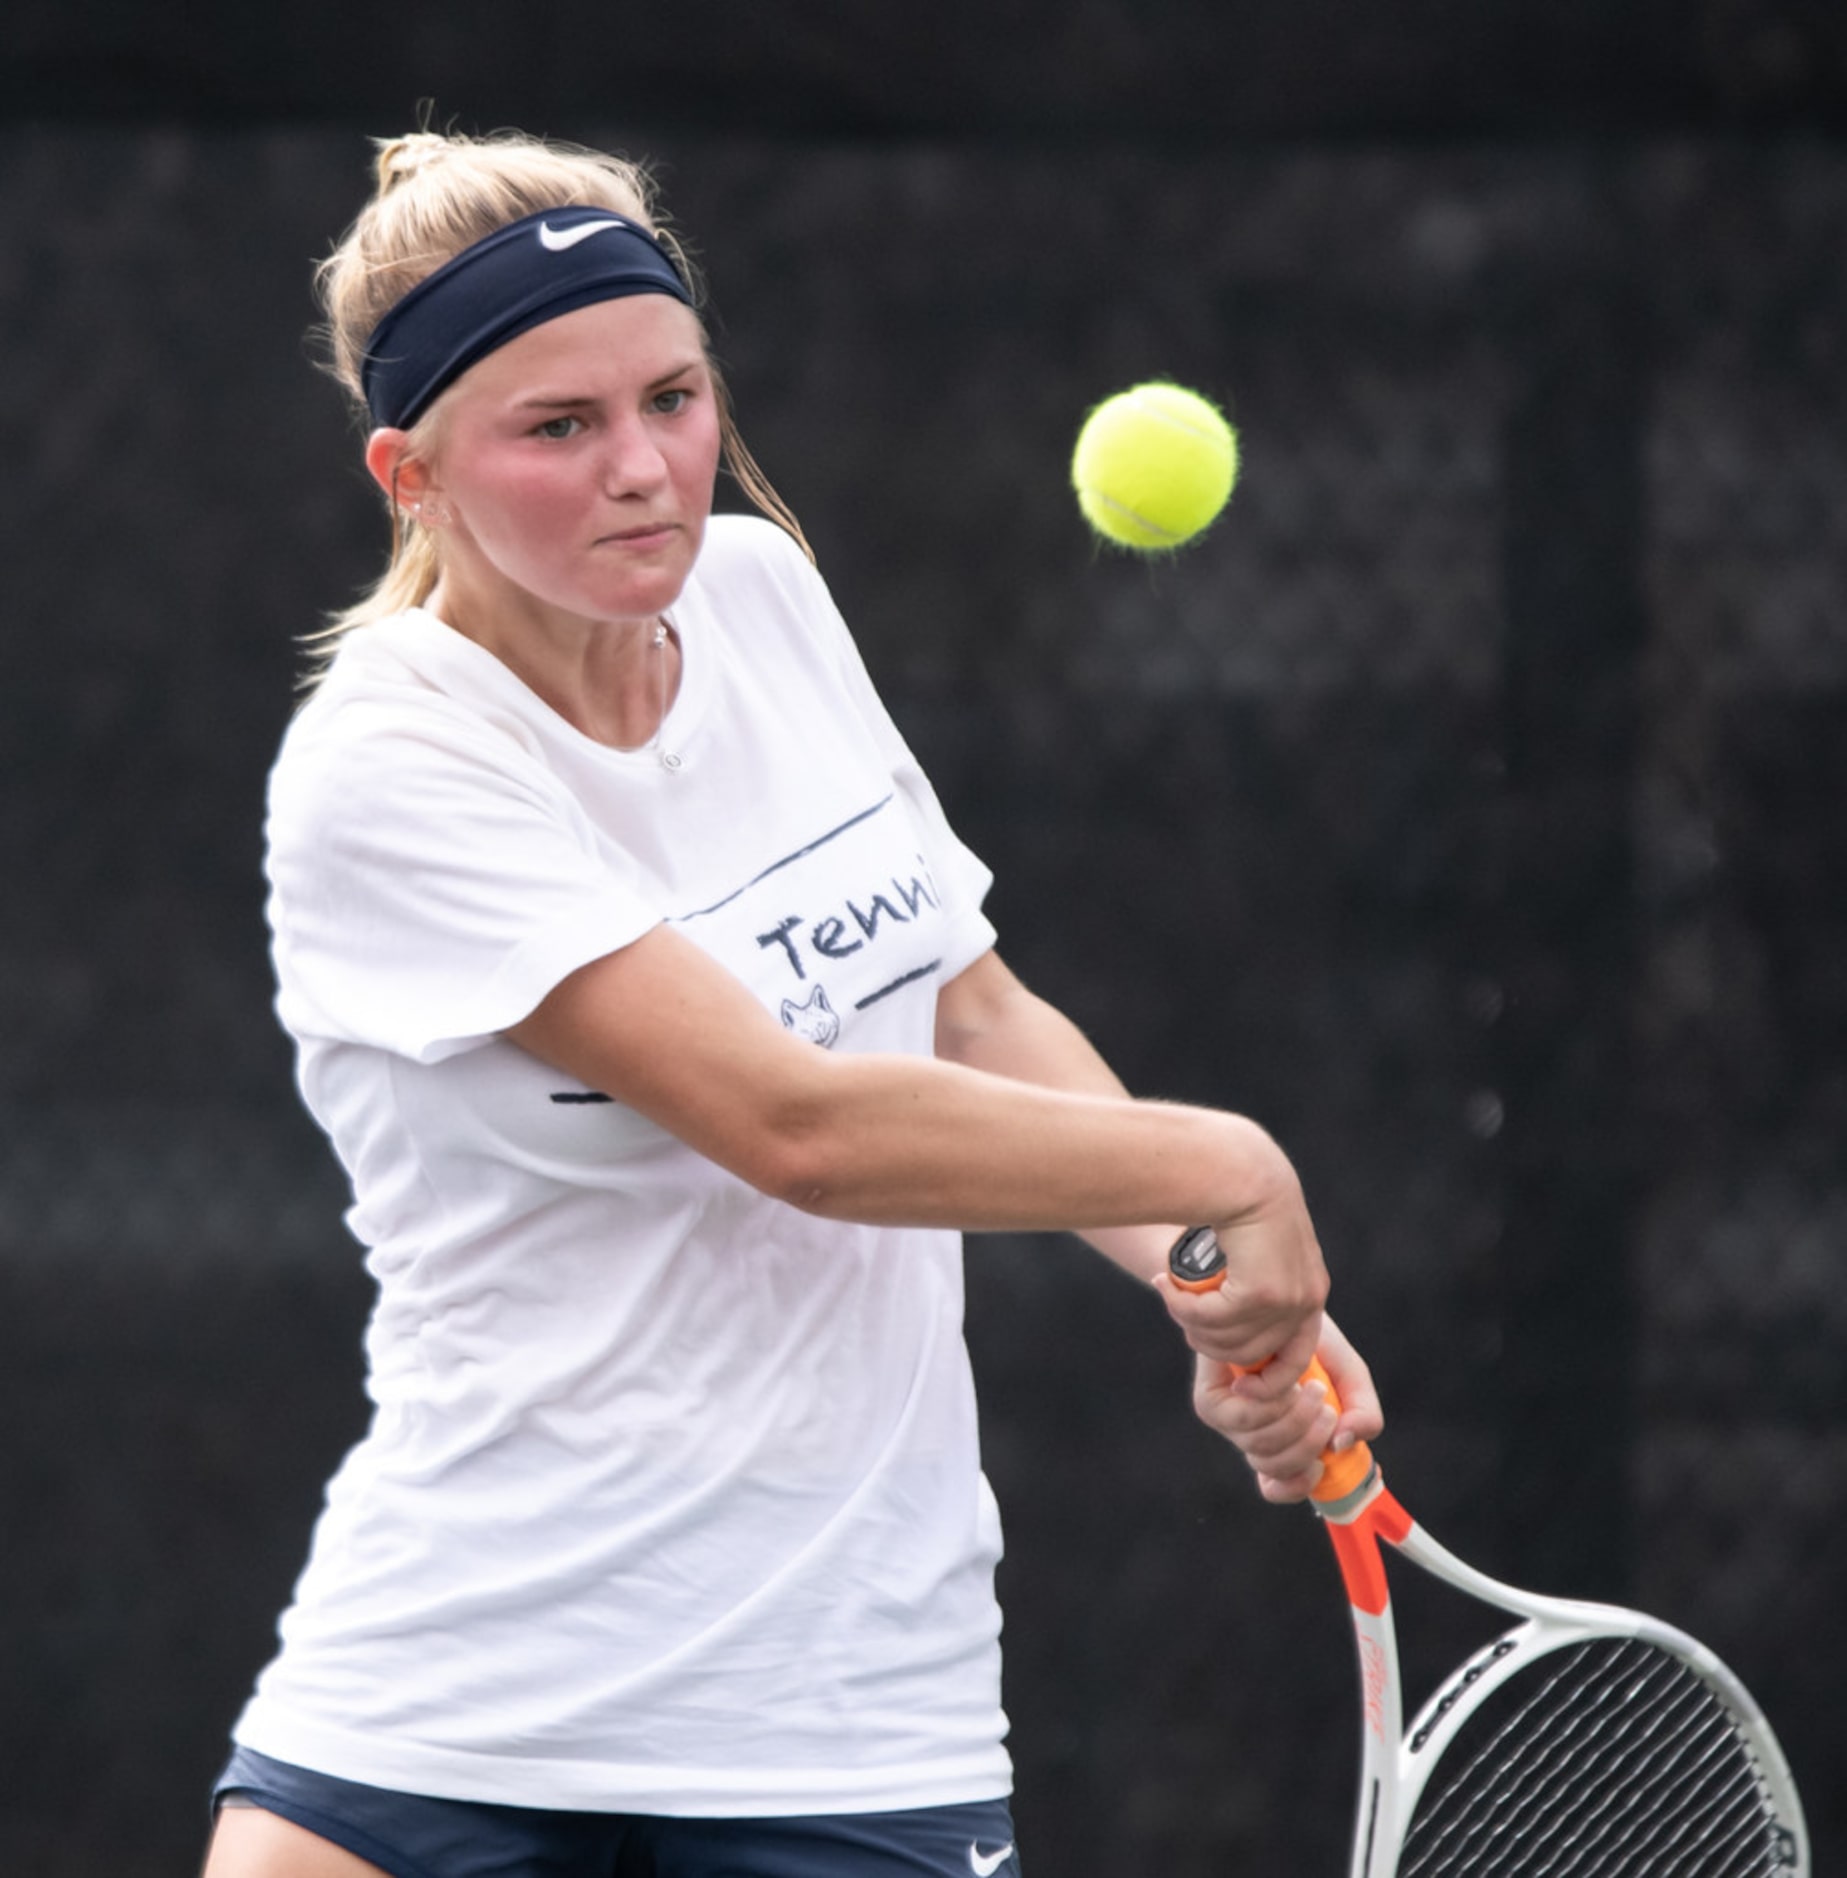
984,1864
558,239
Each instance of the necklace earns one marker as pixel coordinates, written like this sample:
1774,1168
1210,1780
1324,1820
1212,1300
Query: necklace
669,759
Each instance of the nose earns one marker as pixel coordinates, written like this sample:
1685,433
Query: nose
633,464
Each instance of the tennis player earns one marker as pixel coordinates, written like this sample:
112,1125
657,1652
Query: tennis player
647,998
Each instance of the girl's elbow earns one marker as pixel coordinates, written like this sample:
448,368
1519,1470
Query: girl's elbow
796,1162
806,1142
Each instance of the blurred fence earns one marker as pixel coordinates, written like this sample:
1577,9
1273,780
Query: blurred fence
1466,807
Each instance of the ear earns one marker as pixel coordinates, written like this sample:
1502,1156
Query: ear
404,478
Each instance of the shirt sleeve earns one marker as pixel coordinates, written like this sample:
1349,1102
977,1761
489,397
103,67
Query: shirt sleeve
430,883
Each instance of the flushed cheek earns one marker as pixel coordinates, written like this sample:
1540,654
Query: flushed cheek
537,495
534,512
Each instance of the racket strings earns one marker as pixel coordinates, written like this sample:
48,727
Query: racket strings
1609,1760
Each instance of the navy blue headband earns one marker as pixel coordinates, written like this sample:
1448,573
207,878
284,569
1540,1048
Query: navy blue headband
519,277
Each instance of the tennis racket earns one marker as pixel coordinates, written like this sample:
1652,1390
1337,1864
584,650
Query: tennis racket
1586,1741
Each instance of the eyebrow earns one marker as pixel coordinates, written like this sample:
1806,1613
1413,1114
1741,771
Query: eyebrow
540,402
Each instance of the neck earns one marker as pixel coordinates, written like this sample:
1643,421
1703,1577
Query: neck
613,680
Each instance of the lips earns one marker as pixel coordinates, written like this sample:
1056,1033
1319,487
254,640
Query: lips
650,534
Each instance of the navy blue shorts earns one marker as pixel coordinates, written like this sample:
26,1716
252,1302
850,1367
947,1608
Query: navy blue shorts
414,1837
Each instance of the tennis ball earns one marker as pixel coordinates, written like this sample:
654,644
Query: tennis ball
1153,466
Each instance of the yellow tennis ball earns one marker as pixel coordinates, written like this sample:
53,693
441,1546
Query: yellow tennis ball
1153,466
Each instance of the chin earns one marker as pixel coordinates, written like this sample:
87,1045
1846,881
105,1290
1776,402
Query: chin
635,601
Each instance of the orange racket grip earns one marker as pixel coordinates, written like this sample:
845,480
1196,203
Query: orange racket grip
1197,1263
1347,1471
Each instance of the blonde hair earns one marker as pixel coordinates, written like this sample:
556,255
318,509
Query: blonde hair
436,193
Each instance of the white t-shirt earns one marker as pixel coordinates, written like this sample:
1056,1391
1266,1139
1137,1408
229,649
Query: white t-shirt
671,1500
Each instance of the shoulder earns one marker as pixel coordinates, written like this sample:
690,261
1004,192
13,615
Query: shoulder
410,682
387,724
750,550
768,599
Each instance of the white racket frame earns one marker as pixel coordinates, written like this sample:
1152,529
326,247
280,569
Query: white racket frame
1397,1763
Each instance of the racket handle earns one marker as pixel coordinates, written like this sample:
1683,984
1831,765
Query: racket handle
1196,1262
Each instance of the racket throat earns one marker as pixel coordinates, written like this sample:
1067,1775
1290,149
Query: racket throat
1356,1525
1381,1725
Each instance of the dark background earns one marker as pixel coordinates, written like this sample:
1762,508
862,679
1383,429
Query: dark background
1468,805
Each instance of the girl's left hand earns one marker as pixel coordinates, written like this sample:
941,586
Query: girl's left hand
1281,1424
